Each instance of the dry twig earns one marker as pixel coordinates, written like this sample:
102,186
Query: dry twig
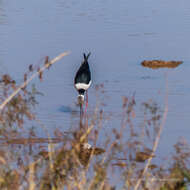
25,83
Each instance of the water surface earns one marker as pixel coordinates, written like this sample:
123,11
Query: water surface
120,34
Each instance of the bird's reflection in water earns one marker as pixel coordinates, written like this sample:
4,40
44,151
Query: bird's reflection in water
68,109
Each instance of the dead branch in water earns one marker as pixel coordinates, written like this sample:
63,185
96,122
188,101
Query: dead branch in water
30,140
26,82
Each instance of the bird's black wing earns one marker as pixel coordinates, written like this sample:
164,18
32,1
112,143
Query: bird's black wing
83,75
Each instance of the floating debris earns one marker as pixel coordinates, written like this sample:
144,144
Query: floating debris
156,64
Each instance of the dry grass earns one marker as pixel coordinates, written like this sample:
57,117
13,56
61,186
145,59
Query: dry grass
157,139
86,158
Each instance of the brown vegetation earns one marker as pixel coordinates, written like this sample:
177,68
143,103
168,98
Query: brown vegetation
156,64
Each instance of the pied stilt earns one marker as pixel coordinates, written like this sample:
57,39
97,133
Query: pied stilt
82,80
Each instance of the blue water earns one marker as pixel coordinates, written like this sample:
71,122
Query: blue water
120,34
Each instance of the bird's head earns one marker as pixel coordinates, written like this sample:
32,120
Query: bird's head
80,99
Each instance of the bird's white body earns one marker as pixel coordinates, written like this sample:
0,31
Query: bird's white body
84,86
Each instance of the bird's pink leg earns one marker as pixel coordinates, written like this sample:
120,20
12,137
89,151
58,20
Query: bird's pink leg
86,101
86,110
81,110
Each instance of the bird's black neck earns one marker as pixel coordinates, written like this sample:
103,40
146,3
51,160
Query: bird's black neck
81,91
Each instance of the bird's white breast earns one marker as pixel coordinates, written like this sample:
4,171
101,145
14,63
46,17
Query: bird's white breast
84,86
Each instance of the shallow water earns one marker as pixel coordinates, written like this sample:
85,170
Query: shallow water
120,34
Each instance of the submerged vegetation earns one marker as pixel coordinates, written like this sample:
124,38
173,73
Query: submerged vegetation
81,159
